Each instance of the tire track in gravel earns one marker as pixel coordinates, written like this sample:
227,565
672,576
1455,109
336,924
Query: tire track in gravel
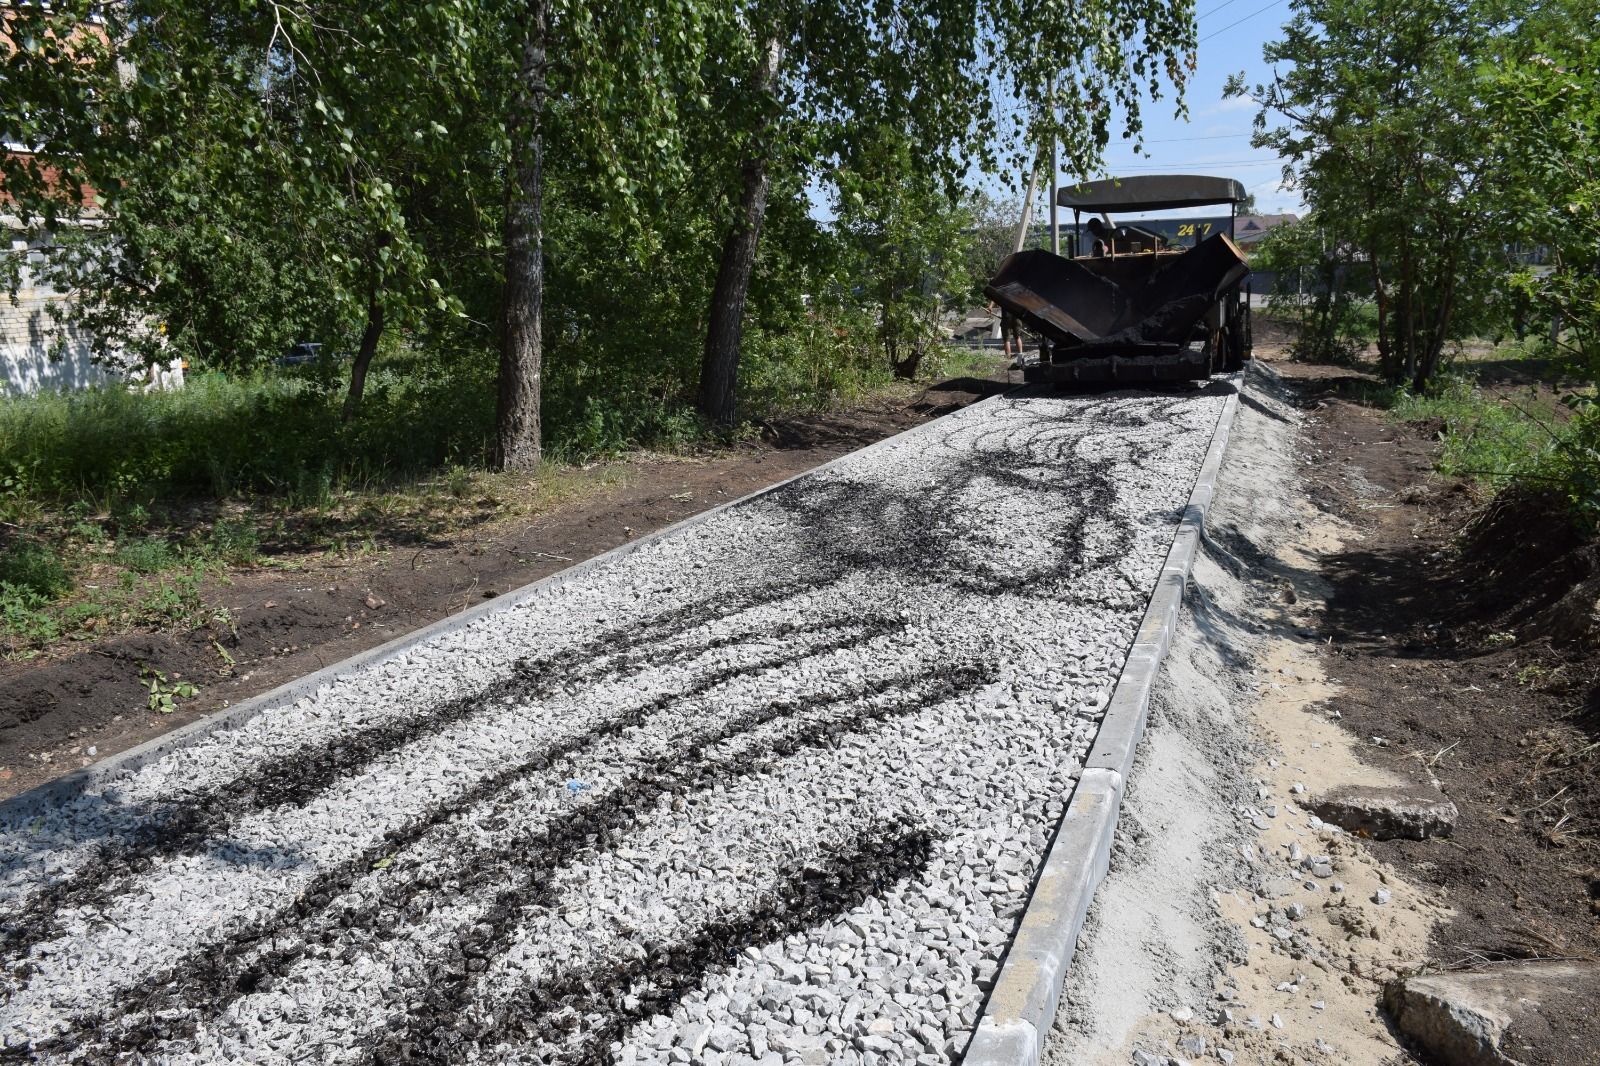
202,985
1070,461
898,531
294,778
627,992
439,1028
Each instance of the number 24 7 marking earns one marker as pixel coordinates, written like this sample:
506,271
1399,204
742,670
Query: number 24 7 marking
1188,229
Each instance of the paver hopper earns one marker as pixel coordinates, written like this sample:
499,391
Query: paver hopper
1135,309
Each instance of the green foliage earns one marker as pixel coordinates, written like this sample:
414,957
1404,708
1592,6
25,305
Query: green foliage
1323,293
267,174
1575,464
1439,145
163,695
220,180
1545,96
822,361
25,614
914,248
1495,440
33,569
1384,133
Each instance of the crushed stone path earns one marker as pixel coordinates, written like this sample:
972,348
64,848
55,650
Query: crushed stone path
770,789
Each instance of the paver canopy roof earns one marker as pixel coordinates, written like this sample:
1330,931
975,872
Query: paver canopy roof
1151,192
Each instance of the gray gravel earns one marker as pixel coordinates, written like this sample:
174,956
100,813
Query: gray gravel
769,790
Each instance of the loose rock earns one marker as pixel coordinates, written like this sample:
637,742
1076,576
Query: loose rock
1388,813
1470,1019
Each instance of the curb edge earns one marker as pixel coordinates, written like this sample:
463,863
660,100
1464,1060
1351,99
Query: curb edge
1021,1006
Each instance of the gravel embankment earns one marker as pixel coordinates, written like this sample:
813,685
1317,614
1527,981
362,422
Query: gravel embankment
770,789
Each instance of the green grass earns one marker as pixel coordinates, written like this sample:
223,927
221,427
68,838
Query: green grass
127,503
1494,440
278,435
1485,438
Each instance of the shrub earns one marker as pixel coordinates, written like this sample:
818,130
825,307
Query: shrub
147,555
34,569
1576,462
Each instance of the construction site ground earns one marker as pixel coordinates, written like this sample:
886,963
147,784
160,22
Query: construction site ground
1359,623
1355,619
298,613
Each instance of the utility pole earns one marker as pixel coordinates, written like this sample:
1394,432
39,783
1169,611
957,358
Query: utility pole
1055,177
1022,237
1027,207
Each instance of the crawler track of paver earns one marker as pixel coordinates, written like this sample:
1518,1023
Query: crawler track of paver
772,787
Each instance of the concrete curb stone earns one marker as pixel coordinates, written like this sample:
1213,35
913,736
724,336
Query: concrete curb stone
1021,1007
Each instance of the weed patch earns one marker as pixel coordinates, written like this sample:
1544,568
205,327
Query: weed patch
1496,440
34,568
1486,438
163,694
147,555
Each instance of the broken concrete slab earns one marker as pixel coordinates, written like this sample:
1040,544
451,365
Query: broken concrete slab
1386,813
1492,1016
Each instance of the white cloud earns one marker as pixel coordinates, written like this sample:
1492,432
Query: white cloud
1230,104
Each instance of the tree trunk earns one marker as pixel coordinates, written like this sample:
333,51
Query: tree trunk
364,354
1409,283
517,444
1380,297
1433,354
719,369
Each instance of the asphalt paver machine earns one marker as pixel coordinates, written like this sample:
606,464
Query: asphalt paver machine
1131,305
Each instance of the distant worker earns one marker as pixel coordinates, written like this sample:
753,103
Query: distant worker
1102,237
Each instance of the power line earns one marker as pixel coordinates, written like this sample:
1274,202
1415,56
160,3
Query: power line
1210,137
1214,10
1204,162
1247,18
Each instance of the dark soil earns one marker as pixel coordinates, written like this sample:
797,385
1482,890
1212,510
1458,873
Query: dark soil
71,708
1461,632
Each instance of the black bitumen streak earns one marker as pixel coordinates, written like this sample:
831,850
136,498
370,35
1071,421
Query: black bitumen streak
836,526
898,531
202,985
439,1028
626,992
192,823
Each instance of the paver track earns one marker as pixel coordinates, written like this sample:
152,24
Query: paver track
773,786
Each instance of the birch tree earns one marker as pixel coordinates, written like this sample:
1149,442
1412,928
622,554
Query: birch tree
809,85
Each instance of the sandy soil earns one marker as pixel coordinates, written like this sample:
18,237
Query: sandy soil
1356,619
1205,939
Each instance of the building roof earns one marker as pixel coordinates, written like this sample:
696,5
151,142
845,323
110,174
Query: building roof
1247,229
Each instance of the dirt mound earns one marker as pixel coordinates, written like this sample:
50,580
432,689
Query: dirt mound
1537,573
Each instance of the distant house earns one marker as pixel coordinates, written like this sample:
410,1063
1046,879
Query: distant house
36,353
1248,229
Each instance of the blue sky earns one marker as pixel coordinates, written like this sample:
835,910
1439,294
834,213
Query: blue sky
1215,138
